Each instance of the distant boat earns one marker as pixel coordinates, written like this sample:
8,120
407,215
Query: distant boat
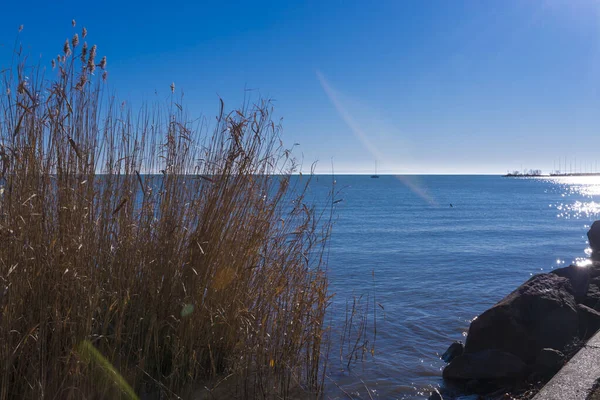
375,176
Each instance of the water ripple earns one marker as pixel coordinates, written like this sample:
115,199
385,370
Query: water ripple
434,268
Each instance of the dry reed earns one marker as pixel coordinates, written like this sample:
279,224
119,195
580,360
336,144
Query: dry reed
171,254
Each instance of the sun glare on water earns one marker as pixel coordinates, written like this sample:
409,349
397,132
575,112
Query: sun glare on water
580,201
587,187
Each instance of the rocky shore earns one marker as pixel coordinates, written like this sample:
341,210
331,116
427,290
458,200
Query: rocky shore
517,345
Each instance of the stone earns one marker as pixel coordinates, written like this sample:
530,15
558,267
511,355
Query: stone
502,394
575,378
489,364
548,362
579,278
594,239
454,350
478,386
594,268
589,321
541,313
592,297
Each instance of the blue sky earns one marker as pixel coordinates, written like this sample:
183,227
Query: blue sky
419,86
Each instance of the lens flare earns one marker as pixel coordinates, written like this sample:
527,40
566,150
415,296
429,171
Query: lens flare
364,138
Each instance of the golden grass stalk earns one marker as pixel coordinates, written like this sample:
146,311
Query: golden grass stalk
179,254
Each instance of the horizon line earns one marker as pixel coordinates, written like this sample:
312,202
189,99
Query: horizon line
403,173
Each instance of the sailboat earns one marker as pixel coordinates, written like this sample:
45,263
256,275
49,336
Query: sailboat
375,176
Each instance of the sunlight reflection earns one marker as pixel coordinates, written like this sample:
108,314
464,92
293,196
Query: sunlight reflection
582,186
583,262
585,204
585,185
578,210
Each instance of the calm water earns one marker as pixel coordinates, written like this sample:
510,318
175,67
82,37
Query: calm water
428,268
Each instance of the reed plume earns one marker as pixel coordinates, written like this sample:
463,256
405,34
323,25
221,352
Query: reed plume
118,280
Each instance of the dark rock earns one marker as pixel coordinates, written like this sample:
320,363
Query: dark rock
594,268
541,313
579,278
435,395
501,394
490,364
573,347
473,386
455,350
594,239
548,362
479,386
589,321
592,297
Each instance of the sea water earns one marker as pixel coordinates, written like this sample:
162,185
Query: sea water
421,256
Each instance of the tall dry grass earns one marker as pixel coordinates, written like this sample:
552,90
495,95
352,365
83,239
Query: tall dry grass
141,253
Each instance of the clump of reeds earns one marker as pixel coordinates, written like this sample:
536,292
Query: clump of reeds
140,253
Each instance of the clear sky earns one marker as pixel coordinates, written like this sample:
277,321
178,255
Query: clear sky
420,86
